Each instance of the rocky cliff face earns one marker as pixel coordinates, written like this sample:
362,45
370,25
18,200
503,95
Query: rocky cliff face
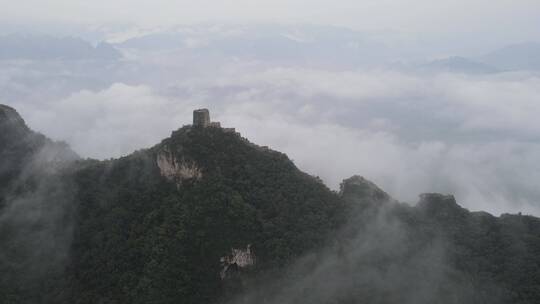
177,170
237,260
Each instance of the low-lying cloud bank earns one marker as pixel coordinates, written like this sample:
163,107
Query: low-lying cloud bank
411,132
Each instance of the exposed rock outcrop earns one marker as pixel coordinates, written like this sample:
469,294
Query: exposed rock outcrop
177,170
237,260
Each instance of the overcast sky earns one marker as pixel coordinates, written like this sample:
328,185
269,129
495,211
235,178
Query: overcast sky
497,18
303,90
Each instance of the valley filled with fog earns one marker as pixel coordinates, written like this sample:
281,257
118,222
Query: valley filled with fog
400,111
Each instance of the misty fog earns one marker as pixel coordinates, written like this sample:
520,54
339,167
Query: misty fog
337,101
410,96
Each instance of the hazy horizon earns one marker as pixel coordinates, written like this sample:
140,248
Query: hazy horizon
417,96
406,171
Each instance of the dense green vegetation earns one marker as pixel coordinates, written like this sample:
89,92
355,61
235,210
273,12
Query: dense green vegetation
142,239
118,231
36,204
486,259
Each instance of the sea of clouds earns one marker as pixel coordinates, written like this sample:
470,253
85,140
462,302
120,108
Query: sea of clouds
409,130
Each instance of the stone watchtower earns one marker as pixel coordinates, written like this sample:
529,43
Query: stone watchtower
201,118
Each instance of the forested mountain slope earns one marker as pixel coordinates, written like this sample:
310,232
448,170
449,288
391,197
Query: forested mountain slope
205,216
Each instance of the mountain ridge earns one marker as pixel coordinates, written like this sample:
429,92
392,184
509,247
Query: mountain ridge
160,226
44,47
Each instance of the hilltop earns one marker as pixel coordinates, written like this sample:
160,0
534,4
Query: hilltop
206,216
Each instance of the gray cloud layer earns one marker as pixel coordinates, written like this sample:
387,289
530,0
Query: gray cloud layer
457,15
410,131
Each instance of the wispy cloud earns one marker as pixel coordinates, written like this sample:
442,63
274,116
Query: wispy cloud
408,130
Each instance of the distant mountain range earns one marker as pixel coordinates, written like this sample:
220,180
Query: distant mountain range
43,47
299,45
524,56
459,65
317,45
515,57
323,45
